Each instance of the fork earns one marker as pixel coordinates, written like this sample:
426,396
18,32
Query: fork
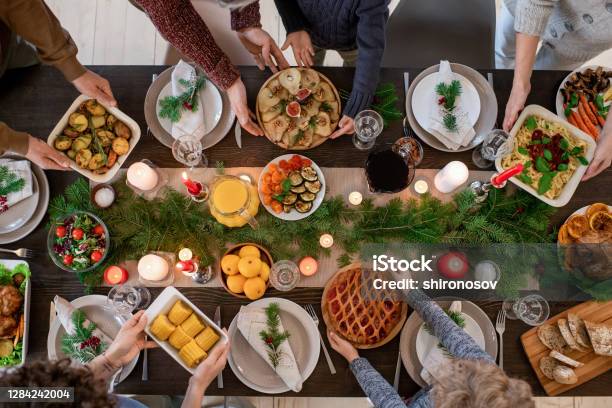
311,311
500,327
21,252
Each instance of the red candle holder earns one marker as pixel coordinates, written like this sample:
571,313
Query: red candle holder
197,190
115,275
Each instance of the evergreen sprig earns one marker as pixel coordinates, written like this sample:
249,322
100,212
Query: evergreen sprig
272,336
384,102
10,182
173,106
448,96
456,317
76,345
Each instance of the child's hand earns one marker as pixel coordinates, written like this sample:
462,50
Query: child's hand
346,126
302,48
342,346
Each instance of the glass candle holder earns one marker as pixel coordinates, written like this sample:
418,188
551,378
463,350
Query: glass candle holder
143,169
164,281
284,275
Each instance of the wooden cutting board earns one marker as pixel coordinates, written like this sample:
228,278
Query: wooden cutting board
594,365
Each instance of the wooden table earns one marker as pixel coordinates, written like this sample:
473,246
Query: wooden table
33,100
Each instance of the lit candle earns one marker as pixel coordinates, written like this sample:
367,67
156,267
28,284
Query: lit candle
308,266
141,176
115,275
451,176
185,254
185,266
193,187
499,180
326,241
153,267
421,187
355,198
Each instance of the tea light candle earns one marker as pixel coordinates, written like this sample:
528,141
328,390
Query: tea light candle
115,275
185,254
451,176
487,271
355,198
326,241
141,176
421,187
104,197
308,266
153,267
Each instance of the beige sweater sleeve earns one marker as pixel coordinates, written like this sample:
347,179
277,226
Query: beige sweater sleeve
33,21
531,16
12,141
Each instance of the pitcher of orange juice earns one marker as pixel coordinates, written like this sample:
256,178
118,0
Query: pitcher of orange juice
233,201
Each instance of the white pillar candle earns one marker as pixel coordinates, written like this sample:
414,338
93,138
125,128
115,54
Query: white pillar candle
153,267
421,186
355,198
326,241
451,176
141,176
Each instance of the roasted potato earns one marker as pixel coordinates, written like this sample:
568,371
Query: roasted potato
83,157
111,159
96,161
62,143
122,130
121,146
78,121
81,142
71,132
105,137
98,121
110,121
71,153
95,108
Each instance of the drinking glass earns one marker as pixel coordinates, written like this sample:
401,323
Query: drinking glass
494,145
368,126
284,275
124,299
187,149
531,309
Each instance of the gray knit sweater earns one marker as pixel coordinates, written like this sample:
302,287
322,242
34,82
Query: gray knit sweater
456,341
344,25
576,29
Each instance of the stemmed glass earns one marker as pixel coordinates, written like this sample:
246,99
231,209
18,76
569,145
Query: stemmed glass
368,126
124,299
495,144
187,149
531,309
284,275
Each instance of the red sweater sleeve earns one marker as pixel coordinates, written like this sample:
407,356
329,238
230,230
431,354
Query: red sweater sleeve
180,24
245,17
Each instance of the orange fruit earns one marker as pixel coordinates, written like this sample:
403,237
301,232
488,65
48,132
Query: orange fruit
577,226
563,236
594,208
601,221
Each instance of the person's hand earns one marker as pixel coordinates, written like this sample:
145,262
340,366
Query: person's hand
45,156
602,158
129,341
301,46
263,48
94,86
346,126
515,104
343,347
208,369
238,99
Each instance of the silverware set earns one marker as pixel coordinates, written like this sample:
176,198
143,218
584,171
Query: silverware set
313,314
21,252
500,327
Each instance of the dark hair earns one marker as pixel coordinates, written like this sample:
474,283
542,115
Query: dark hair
89,391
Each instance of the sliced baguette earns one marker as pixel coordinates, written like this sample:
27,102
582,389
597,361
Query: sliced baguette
601,337
567,335
547,366
565,359
576,326
551,337
564,375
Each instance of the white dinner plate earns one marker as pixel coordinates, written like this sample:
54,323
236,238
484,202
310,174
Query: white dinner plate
422,98
559,98
94,306
210,105
20,213
253,371
294,215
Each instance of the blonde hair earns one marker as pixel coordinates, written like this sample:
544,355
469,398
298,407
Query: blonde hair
478,384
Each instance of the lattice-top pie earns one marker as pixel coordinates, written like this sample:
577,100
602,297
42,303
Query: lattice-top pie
366,322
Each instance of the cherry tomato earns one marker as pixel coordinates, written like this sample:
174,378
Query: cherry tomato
96,256
98,230
68,259
60,231
77,234
284,164
306,162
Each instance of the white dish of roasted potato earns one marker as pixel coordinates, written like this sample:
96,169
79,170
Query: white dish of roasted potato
96,138
298,108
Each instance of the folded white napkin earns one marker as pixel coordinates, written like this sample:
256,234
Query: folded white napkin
191,122
436,358
251,321
465,132
22,169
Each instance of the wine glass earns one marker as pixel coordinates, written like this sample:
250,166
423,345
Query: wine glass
368,126
495,144
124,299
531,309
284,275
187,149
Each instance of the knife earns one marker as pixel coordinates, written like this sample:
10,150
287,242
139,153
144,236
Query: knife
406,85
218,309
238,134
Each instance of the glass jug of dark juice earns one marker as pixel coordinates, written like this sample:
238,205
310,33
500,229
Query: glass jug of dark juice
389,169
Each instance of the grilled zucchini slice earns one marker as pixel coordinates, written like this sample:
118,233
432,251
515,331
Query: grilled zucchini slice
295,178
290,199
313,186
298,189
287,208
303,207
309,174
308,197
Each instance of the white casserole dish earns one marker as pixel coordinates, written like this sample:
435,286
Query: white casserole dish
11,264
